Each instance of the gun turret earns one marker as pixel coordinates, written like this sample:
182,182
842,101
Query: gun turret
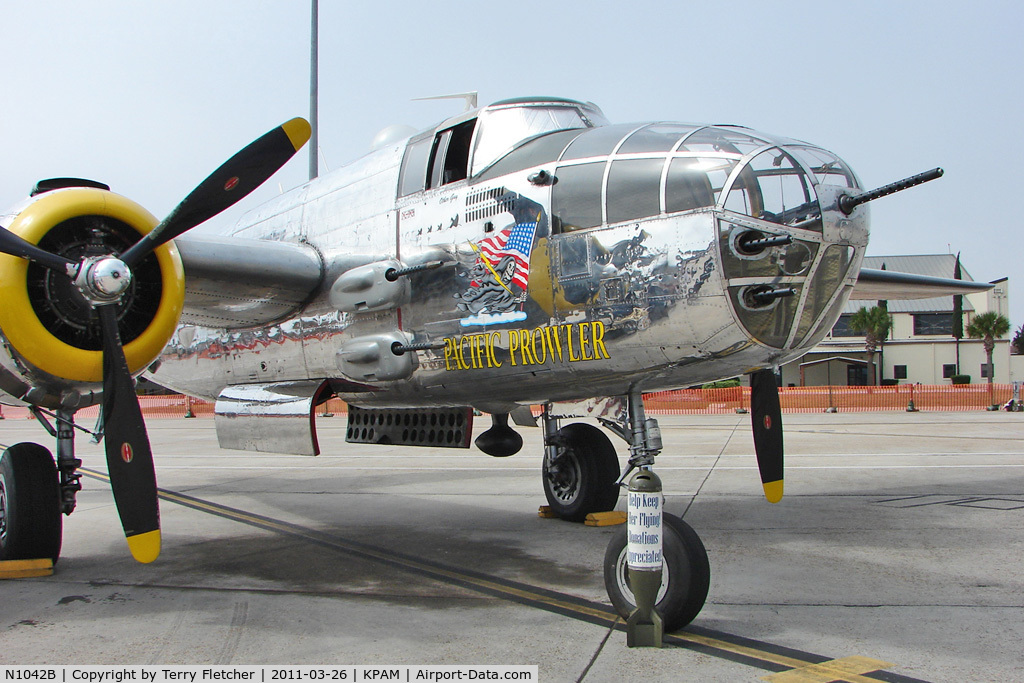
847,203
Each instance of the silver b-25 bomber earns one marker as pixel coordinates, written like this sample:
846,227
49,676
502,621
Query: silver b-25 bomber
523,253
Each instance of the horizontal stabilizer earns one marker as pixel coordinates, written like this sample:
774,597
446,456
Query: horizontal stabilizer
887,284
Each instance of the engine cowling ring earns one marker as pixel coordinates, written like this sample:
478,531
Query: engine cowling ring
20,324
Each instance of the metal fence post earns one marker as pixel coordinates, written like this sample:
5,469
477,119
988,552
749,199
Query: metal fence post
910,404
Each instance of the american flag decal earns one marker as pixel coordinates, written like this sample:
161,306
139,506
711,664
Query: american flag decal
515,241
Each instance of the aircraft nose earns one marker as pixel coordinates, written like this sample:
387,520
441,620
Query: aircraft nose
783,275
782,283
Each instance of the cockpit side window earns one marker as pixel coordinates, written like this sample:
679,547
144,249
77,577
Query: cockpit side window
449,158
576,197
437,156
413,175
434,160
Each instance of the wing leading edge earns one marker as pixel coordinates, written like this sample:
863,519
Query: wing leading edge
887,284
233,282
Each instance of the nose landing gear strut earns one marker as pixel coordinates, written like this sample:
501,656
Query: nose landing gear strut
685,573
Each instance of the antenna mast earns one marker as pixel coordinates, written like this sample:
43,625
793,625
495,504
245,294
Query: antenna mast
314,143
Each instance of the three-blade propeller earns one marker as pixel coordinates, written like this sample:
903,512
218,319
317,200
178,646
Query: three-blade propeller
103,280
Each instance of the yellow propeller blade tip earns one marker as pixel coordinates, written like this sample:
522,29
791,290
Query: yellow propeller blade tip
773,491
298,132
145,547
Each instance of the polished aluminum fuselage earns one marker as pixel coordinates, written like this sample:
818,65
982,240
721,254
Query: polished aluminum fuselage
629,297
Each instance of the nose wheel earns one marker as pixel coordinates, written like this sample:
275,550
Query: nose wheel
30,507
685,576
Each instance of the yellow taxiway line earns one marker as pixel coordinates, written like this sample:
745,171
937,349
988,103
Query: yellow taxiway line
791,666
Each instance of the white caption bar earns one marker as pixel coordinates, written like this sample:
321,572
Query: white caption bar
264,674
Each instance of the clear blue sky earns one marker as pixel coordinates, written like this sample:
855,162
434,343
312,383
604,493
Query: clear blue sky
150,97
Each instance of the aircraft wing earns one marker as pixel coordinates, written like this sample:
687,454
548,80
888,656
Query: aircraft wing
888,284
235,282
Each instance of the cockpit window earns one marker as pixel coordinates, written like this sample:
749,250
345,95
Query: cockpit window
414,165
449,159
539,150
576,197
598,142
827,168
774,188
695,182
634,189
714,139
501,129
435,160
654,138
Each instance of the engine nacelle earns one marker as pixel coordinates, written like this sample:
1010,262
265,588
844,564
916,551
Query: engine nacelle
52,353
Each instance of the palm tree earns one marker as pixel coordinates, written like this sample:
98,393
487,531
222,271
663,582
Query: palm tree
1018,341
988,327
874,323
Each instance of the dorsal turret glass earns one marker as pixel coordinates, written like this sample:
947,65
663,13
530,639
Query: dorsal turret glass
503,127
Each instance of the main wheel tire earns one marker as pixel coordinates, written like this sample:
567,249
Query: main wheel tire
585,477
684,580
30,515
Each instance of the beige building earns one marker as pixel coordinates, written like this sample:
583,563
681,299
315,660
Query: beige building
921,348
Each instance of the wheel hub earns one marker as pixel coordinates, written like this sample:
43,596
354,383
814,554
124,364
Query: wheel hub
565,475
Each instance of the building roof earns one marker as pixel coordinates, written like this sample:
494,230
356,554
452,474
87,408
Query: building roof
932,265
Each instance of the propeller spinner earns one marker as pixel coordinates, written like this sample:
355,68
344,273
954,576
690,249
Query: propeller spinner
103,280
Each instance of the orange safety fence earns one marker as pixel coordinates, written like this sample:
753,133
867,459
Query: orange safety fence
820,399
678,402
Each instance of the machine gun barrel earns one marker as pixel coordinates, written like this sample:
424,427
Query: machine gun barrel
767,295
848,203
759,245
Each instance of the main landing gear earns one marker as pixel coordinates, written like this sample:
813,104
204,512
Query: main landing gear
34,491
30,523
581,475
580,470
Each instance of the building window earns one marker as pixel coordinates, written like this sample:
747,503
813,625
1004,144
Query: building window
933,323
899,371
842,327
984,370
856,376
948,370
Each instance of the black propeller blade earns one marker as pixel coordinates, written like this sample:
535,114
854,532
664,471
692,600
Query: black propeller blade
129,456
16,246
766,417
103,280
236,178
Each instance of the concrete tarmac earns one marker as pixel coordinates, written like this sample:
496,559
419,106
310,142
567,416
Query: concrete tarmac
897,555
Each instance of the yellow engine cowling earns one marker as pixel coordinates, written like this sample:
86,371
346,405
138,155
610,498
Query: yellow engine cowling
50,330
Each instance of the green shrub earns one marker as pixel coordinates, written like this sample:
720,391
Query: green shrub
722,383
961,379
